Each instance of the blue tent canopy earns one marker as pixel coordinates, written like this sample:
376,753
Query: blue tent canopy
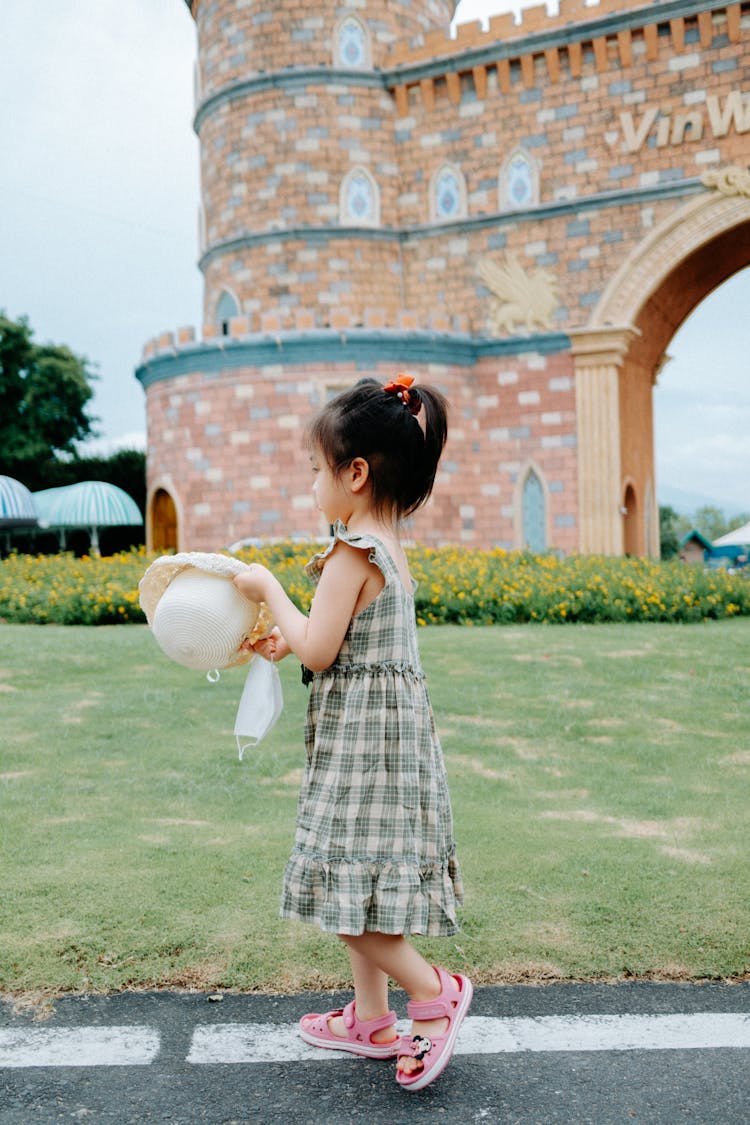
91,504
17,506
44,503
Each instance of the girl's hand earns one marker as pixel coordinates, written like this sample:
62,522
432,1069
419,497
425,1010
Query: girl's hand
316,639
254,582
273,647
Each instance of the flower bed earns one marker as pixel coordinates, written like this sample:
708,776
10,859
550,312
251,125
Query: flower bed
454,585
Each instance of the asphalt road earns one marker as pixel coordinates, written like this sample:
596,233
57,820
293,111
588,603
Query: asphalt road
580,1054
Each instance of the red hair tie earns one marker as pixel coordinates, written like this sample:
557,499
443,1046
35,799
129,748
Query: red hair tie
400,388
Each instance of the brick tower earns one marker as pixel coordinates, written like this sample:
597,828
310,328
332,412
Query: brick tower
299,169
521,215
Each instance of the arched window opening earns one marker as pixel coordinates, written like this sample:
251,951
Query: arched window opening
533,514
359,201
163,521
226,308
630,516
518,185
352,44
448,194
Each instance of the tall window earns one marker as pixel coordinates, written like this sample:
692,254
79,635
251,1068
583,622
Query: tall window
359,201
448,194
226,308
352,44
519,182
533,513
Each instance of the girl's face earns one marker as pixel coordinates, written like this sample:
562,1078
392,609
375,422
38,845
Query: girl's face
331,495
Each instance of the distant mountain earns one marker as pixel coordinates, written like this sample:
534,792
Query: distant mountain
687,503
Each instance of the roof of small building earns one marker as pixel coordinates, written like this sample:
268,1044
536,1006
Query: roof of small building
696,535
738,537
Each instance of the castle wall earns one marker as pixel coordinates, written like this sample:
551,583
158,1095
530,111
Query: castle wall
615,115
231,440
619,129
273,164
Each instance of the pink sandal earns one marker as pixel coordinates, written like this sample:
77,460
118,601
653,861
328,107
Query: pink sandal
435,1052
314,1029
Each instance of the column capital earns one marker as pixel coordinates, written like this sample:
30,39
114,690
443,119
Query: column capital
602,347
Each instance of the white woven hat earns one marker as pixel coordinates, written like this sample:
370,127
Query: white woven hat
197,615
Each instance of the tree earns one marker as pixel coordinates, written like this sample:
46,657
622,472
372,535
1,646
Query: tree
712,522
709,520
44,389
667,531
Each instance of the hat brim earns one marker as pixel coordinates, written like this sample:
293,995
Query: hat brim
165,569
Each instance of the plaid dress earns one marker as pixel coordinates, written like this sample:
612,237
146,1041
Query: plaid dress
374,844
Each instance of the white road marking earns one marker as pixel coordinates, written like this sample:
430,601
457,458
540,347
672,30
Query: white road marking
696,1031
78,1046
230,1043
253,1042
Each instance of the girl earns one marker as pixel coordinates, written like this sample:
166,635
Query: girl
374,857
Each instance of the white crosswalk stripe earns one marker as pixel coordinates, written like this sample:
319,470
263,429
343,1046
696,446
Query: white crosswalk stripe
78,1046
249,1043
233,1043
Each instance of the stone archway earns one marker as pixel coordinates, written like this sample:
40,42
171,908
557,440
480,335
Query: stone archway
621,350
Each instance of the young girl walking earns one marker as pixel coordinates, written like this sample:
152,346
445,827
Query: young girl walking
374,856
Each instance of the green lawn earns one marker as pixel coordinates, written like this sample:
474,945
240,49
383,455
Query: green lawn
600,779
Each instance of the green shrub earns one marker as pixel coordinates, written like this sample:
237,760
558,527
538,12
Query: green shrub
455,584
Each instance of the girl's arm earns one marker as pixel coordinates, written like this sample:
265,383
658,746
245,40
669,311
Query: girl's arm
316,639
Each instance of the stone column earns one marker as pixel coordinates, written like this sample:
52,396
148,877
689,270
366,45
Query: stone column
599,355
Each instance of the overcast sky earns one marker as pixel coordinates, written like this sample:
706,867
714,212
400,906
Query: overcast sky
99,198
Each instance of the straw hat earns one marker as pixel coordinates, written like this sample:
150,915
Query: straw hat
197,615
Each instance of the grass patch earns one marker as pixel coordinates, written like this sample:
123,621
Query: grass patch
600,778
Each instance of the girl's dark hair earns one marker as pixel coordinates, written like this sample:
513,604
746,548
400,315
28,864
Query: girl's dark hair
402,450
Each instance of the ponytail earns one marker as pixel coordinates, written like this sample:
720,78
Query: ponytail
399,429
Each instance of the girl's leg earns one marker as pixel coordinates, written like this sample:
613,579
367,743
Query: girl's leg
394,957
370,995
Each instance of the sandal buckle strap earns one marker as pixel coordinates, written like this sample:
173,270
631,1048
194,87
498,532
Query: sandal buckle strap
355,1025
428,1009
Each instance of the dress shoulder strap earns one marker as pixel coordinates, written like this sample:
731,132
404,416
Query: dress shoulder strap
378,554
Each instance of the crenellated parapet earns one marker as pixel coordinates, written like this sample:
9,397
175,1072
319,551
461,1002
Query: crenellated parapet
549,47
273,323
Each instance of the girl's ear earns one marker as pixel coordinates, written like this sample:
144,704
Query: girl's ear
358,473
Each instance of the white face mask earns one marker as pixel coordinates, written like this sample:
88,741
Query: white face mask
260,705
